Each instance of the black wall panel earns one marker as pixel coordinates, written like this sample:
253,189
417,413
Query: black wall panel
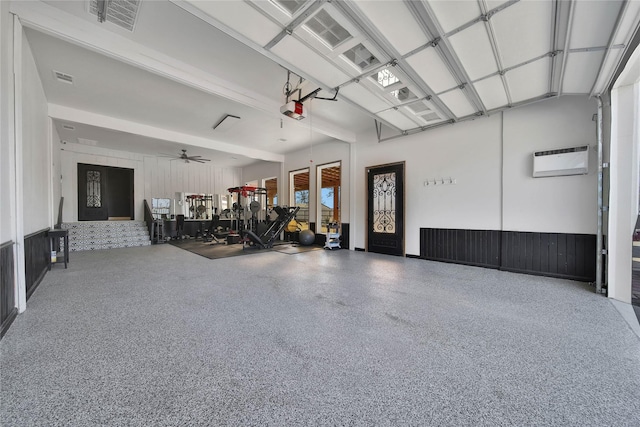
8,308
571,256
37,256
473,247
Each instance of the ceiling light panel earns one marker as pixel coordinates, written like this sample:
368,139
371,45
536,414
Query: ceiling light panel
525,20
398,119
453,14
241,17
474,51
581,71
396,23
361,96
593,22
424,111
529,81
492,92
291,50
458,103
429,66
290,6
361,57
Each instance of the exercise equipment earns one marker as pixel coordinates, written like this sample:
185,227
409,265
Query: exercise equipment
268,237
307,238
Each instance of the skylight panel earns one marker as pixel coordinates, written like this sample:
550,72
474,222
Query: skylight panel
385,78
361,56
291,6
327,29
403,94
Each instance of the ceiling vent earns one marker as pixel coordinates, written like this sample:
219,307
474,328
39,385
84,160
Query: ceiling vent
68,127
122,13
63,77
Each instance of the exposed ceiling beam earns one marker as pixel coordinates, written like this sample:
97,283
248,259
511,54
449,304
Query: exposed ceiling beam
427,19
351,11
567,43
599,86
494,47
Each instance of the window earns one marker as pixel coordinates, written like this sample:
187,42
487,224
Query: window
385,78
271,184
299,196
328,179
327,29
361,56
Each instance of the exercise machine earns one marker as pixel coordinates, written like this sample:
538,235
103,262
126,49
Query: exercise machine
267,238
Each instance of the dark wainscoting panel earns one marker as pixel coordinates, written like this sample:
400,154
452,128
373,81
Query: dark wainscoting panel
472,247
344,236
37,256
571,256
8,309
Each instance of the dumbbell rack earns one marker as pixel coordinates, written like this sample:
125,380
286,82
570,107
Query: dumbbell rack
333,236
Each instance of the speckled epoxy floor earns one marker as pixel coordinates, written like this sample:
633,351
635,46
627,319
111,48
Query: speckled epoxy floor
158,336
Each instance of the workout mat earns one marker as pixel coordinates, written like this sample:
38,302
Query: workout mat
217,251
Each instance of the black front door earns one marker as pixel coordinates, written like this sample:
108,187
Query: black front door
92,193
385,191
104,192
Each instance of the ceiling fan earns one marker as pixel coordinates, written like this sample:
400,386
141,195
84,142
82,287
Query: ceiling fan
188,159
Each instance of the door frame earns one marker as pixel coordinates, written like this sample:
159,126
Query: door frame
403,163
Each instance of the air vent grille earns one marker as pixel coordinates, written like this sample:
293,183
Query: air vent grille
561,151
68,127
122,13
63,77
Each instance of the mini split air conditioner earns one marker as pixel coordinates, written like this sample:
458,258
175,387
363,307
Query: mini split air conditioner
562,162
293,109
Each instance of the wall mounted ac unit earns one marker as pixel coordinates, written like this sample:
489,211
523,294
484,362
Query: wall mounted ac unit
566,161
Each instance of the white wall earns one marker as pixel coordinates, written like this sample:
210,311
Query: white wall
7,219
261,170
562,204
485,195
35,147
623,203
318,155
154,177
468,152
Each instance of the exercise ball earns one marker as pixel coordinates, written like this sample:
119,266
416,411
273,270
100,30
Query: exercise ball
307,237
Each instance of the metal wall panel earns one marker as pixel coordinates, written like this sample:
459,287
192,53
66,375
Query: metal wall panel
570,256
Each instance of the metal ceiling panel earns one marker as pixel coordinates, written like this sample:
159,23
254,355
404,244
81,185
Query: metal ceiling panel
296,52
452,14
628,24
529,81
607,70
396,23
398,119
433,71
474,50
492,92
242,18
581,71
363,97
530,21
593,23
492,4
458,103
